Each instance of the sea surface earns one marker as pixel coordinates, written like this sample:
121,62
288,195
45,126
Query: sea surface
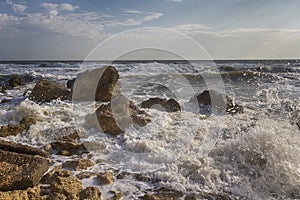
252,155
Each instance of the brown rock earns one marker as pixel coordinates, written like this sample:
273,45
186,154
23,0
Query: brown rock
90,193
98,84
150,197
118,115
84,175
169,105
22,149
66,185
29,170
78,164
15,129
28,194
56,171
45,91
117,195
105,178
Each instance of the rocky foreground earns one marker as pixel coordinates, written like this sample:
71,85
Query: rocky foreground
30,173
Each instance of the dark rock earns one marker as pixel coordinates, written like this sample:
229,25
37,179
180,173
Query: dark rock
45,91
98,84
70,83
20,171
4,101
78,164
118,115
163,194
15,80
67,148
170,105
216,101
90,193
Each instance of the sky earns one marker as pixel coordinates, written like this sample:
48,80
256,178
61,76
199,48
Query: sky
226,29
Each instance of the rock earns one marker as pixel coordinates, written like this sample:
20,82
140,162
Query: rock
28,194
105,178
67,148
15,80
56,171
98,85
84,175
70,83
22,149
15,129
45,91
78,164
170,105
117,195
218,101
163,194
29,168
118,115
90,193
4,101
66,185
11,130
150,197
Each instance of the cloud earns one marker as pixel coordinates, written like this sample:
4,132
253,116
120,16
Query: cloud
128,11
18,8
60,7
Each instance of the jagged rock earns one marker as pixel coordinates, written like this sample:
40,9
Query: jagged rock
70,83
78,164
118,115
15,80
66,185
169,105
105,178
90,193
84,175
45,91
15,129
22,149
29,167
216,101
28,194
98,84
56,171
116,195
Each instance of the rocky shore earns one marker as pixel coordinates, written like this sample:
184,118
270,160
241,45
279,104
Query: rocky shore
32,173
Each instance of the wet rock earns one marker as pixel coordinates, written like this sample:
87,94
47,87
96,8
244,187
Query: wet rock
29,168
4,101
66,185
45,91
105,178
78,164
15,80
150,197
98,85
67,148
28,194
90,193
56,171
170,105
22,149
15,129
118,115
70,83
84,175
216,101
163,194
116,195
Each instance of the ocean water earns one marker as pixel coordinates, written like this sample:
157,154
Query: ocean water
252,155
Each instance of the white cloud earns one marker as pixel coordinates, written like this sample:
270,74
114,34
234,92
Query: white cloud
18,8
60,7
128,11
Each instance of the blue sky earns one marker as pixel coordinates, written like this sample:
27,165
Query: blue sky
227,29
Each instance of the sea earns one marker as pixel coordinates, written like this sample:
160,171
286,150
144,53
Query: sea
249,155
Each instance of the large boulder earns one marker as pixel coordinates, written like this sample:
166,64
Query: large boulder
95,85
19,171
217,102
45,91
169,105
119,114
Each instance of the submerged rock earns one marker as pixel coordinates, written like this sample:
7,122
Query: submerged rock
98,85
45,91
212,100
118,115
169,105
19,171
15,80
